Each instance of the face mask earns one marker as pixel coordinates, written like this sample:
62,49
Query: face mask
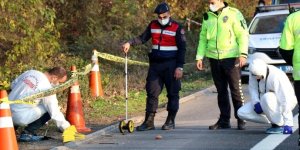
261,4
54,84
164,21
213,8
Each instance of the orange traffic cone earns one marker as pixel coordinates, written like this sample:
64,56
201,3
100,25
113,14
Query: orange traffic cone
95,78
74,108
8,140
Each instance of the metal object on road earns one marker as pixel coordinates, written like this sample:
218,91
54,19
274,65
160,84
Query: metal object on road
129,125
158,137
126,126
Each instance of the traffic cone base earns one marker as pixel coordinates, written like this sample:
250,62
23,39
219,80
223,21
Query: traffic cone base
79,123
7,132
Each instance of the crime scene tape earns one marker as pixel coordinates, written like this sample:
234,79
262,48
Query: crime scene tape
122,60
193,21
189,21
31,98
118,59
5,100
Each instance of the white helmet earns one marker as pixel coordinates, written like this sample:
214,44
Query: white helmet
258,67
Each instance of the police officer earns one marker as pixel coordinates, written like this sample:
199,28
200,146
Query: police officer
261,3
224,40
166,65
290,50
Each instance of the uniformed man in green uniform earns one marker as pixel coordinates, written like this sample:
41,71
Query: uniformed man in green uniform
224,40
290,50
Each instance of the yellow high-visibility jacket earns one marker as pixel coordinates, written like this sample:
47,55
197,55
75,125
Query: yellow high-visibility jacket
224,35
290,40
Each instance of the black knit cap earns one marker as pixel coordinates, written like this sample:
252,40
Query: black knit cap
162,8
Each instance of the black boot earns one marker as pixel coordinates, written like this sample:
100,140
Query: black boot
148,124
170,122
221,124
241,124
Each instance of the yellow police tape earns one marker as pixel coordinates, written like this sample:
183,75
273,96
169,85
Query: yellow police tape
118,59
5,100
122,60
74,77
31,98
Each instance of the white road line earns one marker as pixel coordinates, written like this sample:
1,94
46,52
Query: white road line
273,140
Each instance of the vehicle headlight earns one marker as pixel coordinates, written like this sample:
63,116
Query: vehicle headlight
251,50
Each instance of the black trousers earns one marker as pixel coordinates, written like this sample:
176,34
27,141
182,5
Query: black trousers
160,74
32,127
227,72
297,91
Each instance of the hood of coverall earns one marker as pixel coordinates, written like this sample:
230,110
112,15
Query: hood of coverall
258,67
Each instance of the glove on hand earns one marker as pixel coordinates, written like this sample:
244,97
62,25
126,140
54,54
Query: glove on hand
257,108
71,134
287,130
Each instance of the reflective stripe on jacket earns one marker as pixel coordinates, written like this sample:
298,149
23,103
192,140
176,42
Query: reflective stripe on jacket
168,41
164,38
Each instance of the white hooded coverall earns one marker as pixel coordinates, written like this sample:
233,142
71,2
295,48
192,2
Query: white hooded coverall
275,94
26,84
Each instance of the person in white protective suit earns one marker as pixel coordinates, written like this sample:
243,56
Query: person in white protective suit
272,98
46,108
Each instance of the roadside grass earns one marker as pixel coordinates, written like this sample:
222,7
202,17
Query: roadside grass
107,110
111,108
114,107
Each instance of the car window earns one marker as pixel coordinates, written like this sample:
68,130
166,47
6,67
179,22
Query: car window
268,24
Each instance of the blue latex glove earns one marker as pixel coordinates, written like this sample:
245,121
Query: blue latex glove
257,108
287,130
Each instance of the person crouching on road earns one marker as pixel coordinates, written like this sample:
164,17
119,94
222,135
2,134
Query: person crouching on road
166,65
272,98
46,108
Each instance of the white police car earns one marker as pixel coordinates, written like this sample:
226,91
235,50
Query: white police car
276,2
264,36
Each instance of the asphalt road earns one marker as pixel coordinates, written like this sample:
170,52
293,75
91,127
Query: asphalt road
191,133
